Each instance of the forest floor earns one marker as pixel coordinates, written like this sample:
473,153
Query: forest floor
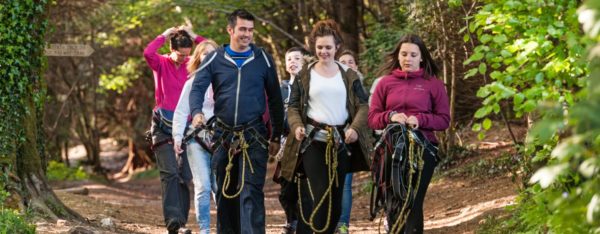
473,186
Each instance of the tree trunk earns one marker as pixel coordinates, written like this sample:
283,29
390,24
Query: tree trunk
29,187
451,131
23,164
346,14
138,158
65,153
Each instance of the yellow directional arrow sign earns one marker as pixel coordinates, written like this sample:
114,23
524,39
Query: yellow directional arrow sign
68,50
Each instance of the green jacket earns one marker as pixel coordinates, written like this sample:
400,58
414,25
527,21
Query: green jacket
357,106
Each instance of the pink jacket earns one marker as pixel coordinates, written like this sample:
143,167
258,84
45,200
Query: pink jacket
168,78
410,93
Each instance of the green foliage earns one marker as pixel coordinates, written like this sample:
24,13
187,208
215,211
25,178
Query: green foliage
59,171
565,197
20,67
10,220
381,42
485,167
121,77
532,52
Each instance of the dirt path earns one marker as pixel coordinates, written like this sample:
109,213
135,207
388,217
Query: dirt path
454,204
462,194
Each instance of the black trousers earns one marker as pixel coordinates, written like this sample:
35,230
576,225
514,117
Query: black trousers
174,180
246,212
414,221
315,171
288,198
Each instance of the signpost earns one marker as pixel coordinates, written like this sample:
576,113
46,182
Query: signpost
68,50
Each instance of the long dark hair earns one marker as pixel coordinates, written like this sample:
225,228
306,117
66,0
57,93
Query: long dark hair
391,61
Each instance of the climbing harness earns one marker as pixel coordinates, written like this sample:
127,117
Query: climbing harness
234,141
332,137
396,169
203,135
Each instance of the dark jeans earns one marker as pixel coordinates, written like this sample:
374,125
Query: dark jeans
173,180
288,198
414,221
315,169
245,213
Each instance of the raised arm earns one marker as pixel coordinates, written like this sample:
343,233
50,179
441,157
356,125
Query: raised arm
188,28
151,51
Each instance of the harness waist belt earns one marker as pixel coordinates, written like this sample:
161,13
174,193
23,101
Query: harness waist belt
320,134
240,127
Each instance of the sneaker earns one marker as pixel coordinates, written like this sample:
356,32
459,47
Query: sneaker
288,229
173,226
185,230
342,229
385,225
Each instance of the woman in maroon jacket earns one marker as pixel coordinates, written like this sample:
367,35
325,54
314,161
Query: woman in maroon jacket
409,93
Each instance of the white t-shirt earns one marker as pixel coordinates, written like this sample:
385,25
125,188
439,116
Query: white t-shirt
327,99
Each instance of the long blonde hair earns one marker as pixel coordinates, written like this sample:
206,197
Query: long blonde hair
195,61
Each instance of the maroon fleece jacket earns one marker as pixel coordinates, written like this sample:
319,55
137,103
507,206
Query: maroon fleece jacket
412,94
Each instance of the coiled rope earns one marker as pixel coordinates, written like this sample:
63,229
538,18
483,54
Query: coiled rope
332,163
230,155
403,145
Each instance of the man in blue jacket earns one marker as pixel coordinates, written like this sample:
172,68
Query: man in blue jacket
241,74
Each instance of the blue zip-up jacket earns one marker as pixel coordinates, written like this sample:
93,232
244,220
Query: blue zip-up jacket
239,93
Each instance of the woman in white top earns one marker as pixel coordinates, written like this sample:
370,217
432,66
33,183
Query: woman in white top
327,117
198,157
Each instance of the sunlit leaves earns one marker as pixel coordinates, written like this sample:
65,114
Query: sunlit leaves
527,48
547,175
570,129
121,77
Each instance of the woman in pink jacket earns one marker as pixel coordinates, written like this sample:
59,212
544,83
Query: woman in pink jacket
409,93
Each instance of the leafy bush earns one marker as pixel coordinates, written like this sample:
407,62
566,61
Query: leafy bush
10,220
59,171
565,197
382,41
533,52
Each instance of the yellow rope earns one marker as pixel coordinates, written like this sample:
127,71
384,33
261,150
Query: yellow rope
331,160
245,157
401,220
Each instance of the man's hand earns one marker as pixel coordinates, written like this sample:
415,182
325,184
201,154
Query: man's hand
274,148
169,32
300,133
351,136
198,120
413,122
399,118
